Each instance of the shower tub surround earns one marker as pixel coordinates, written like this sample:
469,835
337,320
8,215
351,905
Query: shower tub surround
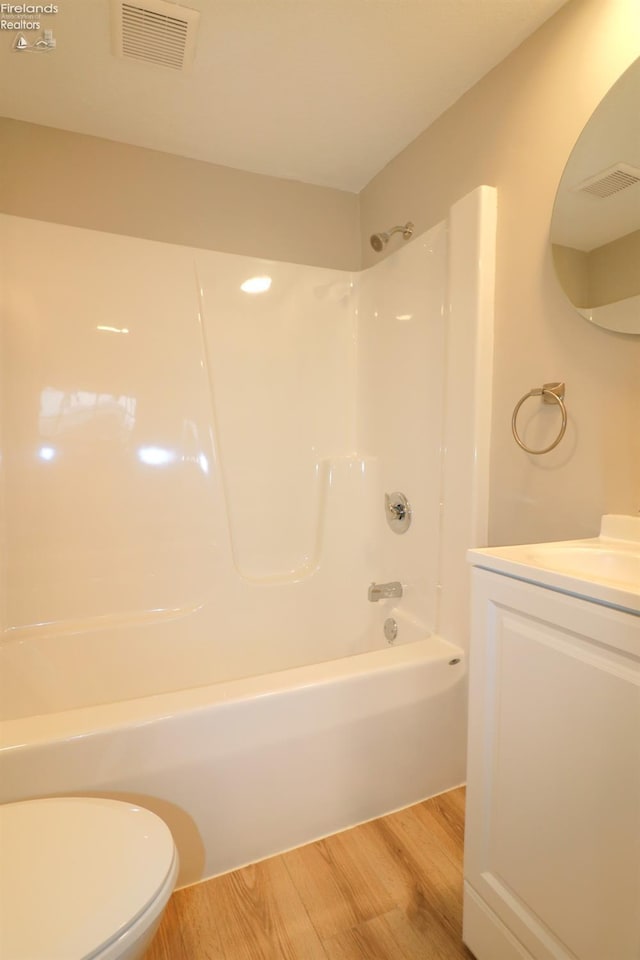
193,511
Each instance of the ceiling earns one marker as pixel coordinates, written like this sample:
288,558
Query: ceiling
322,91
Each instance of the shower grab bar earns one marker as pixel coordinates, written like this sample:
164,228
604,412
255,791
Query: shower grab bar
550,393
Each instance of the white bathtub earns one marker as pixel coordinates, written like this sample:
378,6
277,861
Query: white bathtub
249,768
193,492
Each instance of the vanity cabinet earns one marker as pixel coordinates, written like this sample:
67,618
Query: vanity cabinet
552,845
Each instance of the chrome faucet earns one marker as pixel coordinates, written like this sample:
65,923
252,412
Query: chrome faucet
382,591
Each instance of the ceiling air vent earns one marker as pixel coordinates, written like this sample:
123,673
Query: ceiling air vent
154,31
610,181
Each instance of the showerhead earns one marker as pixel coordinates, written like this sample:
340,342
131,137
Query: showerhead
379,240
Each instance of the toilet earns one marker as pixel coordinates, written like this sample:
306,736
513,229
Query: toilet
82,879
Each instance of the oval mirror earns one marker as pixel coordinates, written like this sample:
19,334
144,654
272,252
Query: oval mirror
595,228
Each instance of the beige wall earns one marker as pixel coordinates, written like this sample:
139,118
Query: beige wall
515,130
572,267
49,174
614,270
604,275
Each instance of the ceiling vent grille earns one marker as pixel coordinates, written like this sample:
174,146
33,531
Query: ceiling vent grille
610,181
155,31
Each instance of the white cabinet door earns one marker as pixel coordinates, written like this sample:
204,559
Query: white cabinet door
552,861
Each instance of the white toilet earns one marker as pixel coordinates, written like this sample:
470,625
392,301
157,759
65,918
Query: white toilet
82,879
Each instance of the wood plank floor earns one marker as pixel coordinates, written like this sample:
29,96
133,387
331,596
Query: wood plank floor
390,889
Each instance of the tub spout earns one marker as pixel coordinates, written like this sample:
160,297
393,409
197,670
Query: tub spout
381,591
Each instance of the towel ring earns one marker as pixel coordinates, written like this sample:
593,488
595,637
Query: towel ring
550,393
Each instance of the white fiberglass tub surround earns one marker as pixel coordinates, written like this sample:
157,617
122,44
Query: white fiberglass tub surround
193,505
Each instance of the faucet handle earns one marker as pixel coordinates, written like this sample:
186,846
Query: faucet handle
398,511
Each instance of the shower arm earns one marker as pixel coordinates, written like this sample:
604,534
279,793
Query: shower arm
405,229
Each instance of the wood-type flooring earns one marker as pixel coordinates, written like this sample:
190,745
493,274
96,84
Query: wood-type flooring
390,889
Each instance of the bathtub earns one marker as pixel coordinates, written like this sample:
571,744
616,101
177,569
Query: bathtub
193,510
249,768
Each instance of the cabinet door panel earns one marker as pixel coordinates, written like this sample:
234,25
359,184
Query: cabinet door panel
553,840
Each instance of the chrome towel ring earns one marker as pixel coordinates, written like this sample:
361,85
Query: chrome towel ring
550,393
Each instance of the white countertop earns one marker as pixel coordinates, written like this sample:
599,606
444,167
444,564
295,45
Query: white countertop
605,569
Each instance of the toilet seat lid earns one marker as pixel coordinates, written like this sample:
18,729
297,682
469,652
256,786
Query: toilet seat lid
75,873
